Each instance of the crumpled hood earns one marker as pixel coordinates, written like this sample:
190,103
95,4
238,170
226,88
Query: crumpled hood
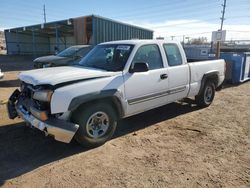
57,75
50,58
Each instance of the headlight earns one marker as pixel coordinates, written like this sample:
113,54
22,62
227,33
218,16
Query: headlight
44,95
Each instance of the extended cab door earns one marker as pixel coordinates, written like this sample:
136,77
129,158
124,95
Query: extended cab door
146,90
178,72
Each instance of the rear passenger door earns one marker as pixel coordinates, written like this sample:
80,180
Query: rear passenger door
145,90
178,72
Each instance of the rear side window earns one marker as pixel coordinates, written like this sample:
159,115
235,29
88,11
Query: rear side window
149,54
173,54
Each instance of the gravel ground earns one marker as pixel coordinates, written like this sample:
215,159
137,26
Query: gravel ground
178,145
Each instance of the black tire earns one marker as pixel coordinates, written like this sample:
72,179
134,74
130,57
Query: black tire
203,99
82,117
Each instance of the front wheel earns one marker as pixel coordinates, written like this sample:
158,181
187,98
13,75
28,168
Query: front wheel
206,97
97,124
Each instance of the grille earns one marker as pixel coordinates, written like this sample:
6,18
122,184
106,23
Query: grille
27,92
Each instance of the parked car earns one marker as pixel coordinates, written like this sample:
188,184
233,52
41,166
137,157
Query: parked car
115,80
1,74
69,56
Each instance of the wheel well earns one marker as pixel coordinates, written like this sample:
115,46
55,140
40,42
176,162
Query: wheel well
113,101
213,77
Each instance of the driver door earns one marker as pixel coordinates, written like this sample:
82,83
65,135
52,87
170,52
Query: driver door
146,90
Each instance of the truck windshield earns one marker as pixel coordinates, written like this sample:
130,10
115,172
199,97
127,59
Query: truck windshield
110,57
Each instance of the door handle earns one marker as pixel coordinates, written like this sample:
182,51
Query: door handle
164,76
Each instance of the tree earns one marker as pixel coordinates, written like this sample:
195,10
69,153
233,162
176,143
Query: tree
200,40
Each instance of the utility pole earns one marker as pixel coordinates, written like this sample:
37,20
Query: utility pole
44,13
223,14
221,27
172,37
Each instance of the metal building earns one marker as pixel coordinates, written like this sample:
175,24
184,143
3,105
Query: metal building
46,38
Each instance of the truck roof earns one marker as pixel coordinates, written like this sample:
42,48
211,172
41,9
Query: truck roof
139,41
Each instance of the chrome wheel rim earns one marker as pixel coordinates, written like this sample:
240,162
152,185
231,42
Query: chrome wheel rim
97,124
208,95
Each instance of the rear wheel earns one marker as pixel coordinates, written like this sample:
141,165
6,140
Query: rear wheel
97,124
206,97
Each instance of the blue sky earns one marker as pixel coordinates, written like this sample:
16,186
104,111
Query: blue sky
165,17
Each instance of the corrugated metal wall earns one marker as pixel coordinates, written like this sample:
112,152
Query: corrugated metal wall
23,44
26,44
108,30
38,40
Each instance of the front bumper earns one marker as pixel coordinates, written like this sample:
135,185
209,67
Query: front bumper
60,129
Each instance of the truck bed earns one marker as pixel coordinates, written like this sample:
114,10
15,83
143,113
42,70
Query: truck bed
199,68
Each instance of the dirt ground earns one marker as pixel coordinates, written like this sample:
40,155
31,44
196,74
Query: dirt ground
178,145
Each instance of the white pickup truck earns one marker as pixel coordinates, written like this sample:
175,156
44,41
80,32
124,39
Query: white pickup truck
115,80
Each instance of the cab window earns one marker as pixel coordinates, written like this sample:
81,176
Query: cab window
173,54
149,54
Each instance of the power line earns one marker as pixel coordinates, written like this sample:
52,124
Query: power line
171,11
139,13
190,34
195,21
209,32
184,23
159,13
168,4
166,10
146,9
31,20
238,31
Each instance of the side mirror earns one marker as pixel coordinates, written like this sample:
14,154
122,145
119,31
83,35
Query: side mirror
139,67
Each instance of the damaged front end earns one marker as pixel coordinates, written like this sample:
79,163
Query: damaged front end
32,104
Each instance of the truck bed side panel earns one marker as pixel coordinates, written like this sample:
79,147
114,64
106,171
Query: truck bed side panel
199,69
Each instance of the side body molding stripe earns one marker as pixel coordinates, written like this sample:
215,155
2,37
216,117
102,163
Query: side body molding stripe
156,95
